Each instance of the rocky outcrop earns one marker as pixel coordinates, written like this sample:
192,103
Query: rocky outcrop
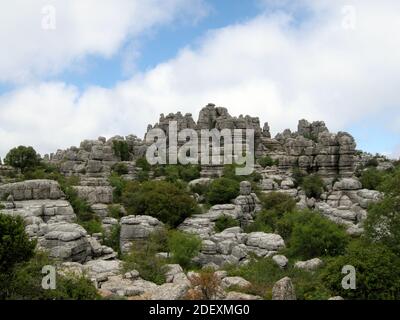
32,190
136,228
283,290
309,265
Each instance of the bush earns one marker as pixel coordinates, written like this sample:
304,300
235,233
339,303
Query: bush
279,202
266,161
24,283
383,223
373,162
371,179
22,158
111,239
225,222
115,211
263,273
120,169
118,185
183,247
143,164
160,199
313,186
207,284
142,258
121,150
376,272
92,226
312,235
298,176
15,245
222,190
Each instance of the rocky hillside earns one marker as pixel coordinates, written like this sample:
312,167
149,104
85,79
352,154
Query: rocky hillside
95,208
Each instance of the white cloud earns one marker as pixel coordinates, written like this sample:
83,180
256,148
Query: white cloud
82,28
269,67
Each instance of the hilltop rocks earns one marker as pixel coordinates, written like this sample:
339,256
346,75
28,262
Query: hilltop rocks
66,241
232,246
283,290
95,194
32,190
134,228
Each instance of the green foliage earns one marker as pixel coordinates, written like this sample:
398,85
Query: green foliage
118,185
222,190
15,245
225,222
92,226
143,164
264,273
371,178
111,239
266,161
312,235
278,201
22,158
142,258
298,176
160,199
275,205
120,168
313,186
121,150
383,223
377,275
115,211
25,283
391,183
373,162
183,247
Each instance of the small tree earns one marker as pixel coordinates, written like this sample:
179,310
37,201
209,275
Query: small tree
266,161
22,158
222,190
15,245
313,186
121,149
376,267
183,246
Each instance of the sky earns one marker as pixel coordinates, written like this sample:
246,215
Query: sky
74,70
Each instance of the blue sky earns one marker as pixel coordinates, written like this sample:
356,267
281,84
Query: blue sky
284,61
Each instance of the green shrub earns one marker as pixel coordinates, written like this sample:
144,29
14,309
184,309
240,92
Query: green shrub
143,176
266,161
121,150
118,185
143,164
313,186
23,158
376,272
275,205
278,201
112,238
222,190
25,283
142,258
371,179
115,211
160,199
225,222
183,247
263,273
92,226
373,162
120,169
189,172
298,176
312,235
15,245
383,223
391,183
